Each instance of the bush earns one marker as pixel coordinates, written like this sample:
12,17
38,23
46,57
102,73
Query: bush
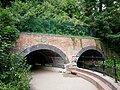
110,62
14,73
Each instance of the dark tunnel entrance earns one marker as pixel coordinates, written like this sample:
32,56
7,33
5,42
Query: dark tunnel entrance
90,59
45,57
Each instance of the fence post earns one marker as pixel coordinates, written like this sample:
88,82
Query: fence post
83,62
115,70
93,63
103,67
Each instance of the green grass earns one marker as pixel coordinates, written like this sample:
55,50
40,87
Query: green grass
58,35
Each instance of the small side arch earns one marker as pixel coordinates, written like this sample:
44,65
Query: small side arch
94,48
44,47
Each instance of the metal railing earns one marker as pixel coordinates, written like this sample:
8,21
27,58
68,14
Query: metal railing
100,66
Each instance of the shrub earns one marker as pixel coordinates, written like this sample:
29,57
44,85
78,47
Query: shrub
110,62
14,73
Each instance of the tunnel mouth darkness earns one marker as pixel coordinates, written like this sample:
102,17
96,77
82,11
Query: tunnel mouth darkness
45,57
90,59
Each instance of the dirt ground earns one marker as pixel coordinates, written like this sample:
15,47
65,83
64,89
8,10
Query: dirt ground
49,80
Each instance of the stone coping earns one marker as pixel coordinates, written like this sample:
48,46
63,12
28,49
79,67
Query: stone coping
100,81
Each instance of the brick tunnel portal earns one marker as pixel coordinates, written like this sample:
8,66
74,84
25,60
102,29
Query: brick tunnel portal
45,57
90,57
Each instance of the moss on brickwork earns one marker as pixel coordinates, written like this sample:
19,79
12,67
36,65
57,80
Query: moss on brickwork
97,41
81,43
74,42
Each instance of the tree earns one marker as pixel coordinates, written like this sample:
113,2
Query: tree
106,23
14,73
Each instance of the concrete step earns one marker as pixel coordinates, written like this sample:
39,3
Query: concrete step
98,81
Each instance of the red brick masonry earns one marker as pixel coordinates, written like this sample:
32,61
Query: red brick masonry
70,46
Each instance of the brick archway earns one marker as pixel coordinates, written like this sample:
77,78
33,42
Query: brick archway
42,47
89,48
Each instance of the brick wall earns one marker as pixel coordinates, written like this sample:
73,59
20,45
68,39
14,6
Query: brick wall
68,45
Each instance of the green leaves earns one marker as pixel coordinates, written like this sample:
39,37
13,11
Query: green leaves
48,17
13,76
14,73
8,32
110,62
104,23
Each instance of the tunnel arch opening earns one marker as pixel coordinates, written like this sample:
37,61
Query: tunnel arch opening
90,56
45,55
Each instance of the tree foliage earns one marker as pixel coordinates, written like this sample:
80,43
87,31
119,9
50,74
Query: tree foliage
13,70
47,17
105,24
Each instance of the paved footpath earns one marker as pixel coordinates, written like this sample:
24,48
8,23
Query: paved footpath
48,80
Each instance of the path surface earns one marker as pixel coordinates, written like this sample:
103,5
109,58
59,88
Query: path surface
48,80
